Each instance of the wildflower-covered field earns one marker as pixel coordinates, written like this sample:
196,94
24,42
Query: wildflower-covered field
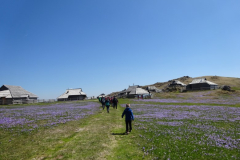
234,101
162,129
204,97
207,101
28,132
188,132
30,118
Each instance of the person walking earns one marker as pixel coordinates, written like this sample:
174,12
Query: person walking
107,104
99,98
115,102
111,101
103,102
128,118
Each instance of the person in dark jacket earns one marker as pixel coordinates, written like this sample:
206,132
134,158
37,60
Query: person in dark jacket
103,102
115,102
107,103
128,118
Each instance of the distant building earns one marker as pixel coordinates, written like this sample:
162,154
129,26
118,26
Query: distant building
122,93
201,84
176,83
72,94
130,89
153,89
138,91
16,95
102,95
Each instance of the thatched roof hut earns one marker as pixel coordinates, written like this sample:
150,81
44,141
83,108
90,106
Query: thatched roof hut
131,88
177,83
138,91
9,93
153,89
72,94
201,84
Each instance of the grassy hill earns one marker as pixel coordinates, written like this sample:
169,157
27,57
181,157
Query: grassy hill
230,81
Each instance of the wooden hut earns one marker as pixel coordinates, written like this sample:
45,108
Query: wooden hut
176,83
153,89
122,93
201,84
138,91
16,95
130,89
72,94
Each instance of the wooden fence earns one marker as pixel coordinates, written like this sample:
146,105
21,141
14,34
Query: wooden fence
46,100
24,101
29,101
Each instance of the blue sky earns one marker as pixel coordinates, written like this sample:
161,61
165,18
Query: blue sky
104,46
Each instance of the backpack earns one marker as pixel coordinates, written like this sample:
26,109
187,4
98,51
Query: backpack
107,103
103,100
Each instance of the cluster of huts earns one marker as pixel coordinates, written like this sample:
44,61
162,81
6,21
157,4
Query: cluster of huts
196,84
17,95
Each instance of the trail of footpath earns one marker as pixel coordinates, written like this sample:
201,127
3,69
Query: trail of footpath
100,137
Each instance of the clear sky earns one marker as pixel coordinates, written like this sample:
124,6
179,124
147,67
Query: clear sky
47,46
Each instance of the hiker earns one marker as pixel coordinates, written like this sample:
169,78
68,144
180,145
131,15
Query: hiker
103,102
107,104
115,102
128,118
111,101
99,98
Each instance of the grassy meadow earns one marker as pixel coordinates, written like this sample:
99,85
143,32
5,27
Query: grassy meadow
201,125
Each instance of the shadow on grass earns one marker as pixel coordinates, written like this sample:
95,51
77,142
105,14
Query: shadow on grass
124,133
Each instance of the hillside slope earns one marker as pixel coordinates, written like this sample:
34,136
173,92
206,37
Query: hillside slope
230,81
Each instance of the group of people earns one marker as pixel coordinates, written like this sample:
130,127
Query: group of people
107,101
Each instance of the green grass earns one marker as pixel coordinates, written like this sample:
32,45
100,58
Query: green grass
101,136
97,137
235,88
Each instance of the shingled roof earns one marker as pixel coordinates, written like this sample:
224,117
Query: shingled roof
9,91
202,80
123,91
132,88
72,92
139,91
153,88
176,82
